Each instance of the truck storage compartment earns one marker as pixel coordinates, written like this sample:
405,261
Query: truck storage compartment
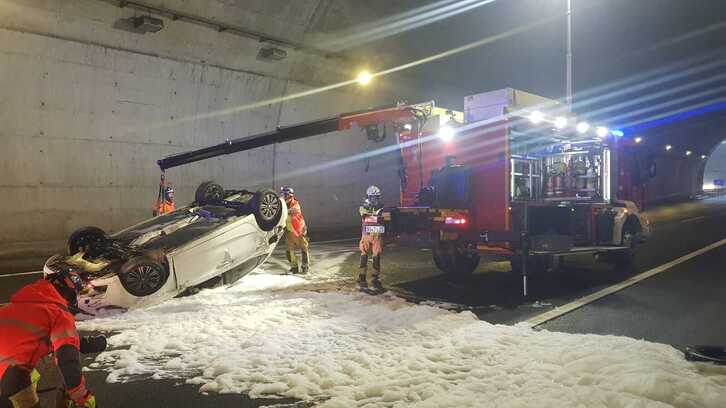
410,226
452,187
605,220
550,228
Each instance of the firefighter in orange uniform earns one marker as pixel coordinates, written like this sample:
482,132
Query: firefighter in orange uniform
296,237
36,322
371,242
165,204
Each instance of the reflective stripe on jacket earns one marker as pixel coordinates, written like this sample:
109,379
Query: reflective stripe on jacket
34,323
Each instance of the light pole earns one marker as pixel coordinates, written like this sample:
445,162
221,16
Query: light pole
569,54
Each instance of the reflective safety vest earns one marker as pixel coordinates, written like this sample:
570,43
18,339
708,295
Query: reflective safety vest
295,220
371,220
165,207
34,323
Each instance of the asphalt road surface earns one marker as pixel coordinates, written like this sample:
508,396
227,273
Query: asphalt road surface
683,305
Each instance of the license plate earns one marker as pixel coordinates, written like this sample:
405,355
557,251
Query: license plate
375,229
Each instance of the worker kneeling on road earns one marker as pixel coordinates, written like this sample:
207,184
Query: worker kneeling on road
36,322
371,242
296,237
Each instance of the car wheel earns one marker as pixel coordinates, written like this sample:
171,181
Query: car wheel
209,193
85,239
455,260
267,207
143,276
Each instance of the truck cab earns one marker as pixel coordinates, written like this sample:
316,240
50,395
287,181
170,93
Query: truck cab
513,177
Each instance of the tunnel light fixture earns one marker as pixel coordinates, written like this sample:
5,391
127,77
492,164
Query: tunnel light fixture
446,133
638,139
536,117
560,122
583,127
364,78
668,147
688,152
601,132
147,24
703,156
269,53
407,126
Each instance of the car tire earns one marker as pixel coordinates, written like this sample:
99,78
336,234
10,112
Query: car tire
143,276
208,193
84,239
455,260
267,208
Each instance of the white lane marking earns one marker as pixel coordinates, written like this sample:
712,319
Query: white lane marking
694,218
10,275
559,311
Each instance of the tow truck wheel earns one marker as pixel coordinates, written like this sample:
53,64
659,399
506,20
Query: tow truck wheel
208,193
624,259
535,264
455,260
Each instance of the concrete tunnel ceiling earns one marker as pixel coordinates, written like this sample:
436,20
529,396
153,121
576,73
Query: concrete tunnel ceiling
634,62
612,41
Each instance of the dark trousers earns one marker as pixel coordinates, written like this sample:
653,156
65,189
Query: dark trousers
16,382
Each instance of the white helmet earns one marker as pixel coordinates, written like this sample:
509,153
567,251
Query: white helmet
373,191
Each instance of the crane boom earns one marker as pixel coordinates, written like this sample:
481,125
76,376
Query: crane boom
398,113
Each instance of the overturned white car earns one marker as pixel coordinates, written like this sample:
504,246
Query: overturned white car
222,236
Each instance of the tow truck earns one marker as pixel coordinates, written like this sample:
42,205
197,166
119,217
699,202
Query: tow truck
506,178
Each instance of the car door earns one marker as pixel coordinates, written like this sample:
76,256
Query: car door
216,252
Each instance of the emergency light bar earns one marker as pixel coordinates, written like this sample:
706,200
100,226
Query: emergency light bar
561,123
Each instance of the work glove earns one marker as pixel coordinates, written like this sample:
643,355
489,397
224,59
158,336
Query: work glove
87,401
92,344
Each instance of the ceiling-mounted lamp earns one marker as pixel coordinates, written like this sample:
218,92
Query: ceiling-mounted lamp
270,53
147,24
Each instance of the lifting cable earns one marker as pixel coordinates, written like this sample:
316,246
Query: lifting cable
160,196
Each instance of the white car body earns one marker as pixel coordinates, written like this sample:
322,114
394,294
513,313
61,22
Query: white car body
231,250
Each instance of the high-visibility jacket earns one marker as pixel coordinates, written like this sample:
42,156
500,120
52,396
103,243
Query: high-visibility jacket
35,323
295,220
165,207
370,216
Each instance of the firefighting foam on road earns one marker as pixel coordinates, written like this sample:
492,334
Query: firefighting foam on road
346,349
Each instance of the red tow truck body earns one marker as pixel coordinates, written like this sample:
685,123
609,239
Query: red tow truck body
515,179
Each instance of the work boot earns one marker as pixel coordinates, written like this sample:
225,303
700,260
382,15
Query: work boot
305,261
362,283
304,269
294,270
376,283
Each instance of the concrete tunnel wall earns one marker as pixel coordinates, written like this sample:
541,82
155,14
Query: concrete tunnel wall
83,126
678,176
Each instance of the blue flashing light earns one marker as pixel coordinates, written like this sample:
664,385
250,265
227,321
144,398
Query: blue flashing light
677,117
617,133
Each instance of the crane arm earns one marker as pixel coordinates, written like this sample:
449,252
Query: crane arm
399,113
